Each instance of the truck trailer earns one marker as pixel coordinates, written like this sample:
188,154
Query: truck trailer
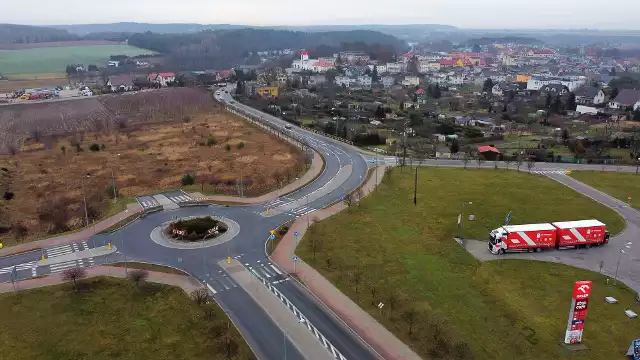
536,237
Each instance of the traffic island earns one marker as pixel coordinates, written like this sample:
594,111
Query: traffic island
195,232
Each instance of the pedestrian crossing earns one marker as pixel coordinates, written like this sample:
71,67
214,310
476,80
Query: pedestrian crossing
60,250
220,282
277,202
33,265
60,267
180,198
543,172
301,211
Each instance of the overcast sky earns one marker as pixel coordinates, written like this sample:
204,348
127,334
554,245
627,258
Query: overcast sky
593,14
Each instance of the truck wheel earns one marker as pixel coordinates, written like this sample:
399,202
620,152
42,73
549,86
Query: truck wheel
501,252
588,246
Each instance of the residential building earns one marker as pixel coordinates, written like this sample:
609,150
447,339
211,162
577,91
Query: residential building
536,83
627,98
315,65
113,63
411,81
423,67
119,83
396,68
554,89
589,95
364,81
382,68
353,56
344,81
316,80
504,88
388,81
545,53
163,79
267,91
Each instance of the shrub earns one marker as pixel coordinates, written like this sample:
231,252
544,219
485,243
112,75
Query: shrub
112,191
8,195
227,147
94,147
240,145
211,141
188,179
186,118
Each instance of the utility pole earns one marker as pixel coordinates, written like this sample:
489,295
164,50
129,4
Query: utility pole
84,198
415,188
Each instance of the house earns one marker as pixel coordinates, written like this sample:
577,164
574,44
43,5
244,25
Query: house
163,79
447,63
627,98
582,109
411,81
504,88
113,63
119,83
344,81
554,89
589,95
315,80
364,81
267,91
489,152
223,75
388,81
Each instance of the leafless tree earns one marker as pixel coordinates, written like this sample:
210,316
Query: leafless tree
200,296
519,161
410,317
74,274
392,301
349,199
359,194
357,279
479,159
138,276
374,293
530,164
314,243
507,162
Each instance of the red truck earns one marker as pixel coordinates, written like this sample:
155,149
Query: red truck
536,237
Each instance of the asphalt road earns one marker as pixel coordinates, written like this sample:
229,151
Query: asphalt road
345,169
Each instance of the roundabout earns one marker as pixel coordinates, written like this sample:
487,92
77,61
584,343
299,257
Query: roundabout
195,232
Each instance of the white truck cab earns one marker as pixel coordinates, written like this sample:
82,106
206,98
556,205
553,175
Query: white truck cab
496,245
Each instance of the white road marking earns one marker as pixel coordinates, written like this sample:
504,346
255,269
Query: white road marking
211,289
276,270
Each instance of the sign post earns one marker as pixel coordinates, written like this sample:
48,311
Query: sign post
507,220
577,312
295,233
295,260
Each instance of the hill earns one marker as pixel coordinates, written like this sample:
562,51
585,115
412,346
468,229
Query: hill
226,48
24,34
504,39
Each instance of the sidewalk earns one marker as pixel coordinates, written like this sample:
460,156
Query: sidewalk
187,283
81,235
314,171
368,328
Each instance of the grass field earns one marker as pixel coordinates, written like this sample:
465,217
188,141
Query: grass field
112,319
388,250
617,184
55,59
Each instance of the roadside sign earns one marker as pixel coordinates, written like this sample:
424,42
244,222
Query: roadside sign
380,305
601,265
295,258
507,220
295,233
577,312
629,198
459,219
272,232
271,237
342,197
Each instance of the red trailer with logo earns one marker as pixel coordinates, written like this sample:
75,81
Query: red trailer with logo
582,233
528,237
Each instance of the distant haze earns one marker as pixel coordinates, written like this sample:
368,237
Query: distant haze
488,14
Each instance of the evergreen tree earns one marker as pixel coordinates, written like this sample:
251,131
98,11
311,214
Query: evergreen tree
571,102
614,93
636,114
488,85
374,75
380,112
436,92
454,147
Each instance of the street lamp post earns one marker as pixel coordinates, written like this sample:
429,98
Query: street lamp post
113,184
625,246
637,165
84,198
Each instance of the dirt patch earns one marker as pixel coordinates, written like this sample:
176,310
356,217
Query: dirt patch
56,44
45,185
282,157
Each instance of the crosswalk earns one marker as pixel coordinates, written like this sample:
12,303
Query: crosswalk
33,265
543,172
301,211
60,250
148,203
277,202
220,282
180,198
60,267
67,249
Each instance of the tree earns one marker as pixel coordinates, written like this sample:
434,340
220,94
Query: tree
137,276
476,48
74,274
94,147
519,161
479,159
380,112
188,179
636,114
437,93
507,162
454,147
92,67
358,194
349,199
409,317
392,301
465,159
565,135
614,93
488,85
374,74
357,279
571,102
200,296
530,164
112,192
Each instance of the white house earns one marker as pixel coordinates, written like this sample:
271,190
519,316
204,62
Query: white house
364,81
388,81
396,68
581,109
163,79
589,95
119,83
536,83
411,81
344,81
113,63
627,98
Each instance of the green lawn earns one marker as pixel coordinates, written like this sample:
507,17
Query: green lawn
55,59
113,320
463,309
617,184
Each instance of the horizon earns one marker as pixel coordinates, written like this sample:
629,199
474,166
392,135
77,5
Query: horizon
488,15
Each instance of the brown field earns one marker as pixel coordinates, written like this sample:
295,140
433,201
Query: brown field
44,178
8,86
56,44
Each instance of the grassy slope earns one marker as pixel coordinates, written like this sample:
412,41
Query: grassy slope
112,320
55,59
507,310
617,184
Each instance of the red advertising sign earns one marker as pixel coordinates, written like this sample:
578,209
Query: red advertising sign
577,312
581,290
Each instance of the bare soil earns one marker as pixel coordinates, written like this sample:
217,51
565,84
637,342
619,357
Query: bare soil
44,180
56,44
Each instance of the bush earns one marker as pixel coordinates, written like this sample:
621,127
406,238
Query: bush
227,147
94,147
240,145
112,191
211,141
186,118
188,179
197,228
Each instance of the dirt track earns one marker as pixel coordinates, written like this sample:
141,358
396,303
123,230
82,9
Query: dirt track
56,44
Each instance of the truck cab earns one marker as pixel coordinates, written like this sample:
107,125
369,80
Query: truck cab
496,244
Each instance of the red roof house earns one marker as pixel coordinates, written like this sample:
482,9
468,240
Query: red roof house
447,62
488,148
